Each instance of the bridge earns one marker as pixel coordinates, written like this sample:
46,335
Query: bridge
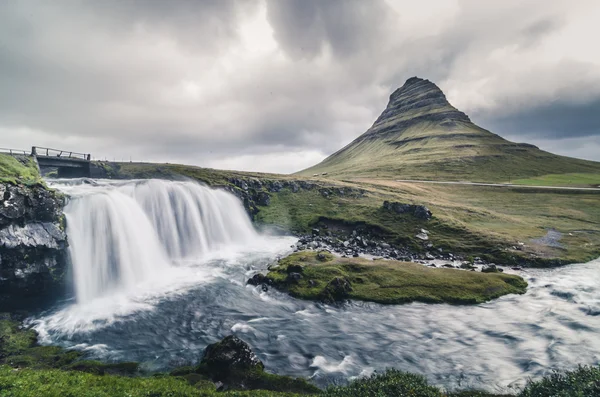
68,164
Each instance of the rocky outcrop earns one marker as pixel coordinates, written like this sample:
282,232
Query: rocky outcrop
32,244
418,211
256,193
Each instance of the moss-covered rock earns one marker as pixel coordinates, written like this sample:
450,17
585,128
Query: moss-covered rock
328,278
232,362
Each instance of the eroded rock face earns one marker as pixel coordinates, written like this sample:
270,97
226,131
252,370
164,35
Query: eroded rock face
32,244
418,211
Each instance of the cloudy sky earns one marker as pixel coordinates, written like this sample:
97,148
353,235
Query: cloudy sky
276,85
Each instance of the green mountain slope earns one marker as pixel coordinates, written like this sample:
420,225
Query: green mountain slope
421,136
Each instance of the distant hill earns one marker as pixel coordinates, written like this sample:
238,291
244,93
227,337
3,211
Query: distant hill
421,136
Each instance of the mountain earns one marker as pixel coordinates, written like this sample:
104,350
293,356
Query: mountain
420,135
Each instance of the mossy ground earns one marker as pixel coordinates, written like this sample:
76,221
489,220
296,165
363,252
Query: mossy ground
22,170
392,282
572,180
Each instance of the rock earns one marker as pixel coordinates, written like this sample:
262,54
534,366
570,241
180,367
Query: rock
516,268
449,266
316,232
259,279
422,236
33,245
229,355
295,269
429,256
263,199
355,255
491,269
418,211
336,290
467,266
322,257
293,278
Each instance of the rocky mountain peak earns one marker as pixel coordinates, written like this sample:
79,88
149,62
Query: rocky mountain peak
420,100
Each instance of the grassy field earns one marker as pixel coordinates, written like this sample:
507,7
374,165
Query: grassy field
23,170
390,282
569,180
500,224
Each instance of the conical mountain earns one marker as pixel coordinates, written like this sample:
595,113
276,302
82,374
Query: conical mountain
420,135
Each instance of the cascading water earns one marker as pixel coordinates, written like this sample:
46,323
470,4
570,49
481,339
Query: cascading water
123,233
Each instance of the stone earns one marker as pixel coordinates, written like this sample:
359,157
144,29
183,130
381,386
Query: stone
230,354
336,290
259,279
418,211
491,269
263,199
295,269
293,278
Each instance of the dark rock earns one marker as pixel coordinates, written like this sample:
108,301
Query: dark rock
467,266
448,265
336,290
293,278
418,211
295,269
491,269
33,245
316,232
321,256
263,199
259,279
229,355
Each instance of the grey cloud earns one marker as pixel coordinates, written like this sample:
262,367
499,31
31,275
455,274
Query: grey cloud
550,121
305,27
109,72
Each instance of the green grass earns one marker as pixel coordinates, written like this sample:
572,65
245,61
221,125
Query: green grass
468,220
583,382
568,180
392,282
14,171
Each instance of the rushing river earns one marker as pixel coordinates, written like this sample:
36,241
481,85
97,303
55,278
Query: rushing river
164,303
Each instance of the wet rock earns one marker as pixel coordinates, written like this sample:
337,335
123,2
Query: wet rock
449,266
259,279
229,355
491,269
467,266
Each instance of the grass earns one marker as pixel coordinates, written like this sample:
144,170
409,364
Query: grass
569,180
390,282
18,170
472,221
583,382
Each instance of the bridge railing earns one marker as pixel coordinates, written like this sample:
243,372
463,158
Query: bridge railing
49,152
14,151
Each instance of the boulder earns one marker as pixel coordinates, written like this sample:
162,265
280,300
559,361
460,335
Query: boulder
418,211
263,199
336,290
492,269
229,355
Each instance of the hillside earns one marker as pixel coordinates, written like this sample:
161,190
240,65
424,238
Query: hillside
420,135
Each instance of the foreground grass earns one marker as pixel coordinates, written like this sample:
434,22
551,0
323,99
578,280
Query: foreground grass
14,171
570,180
583,382
389,282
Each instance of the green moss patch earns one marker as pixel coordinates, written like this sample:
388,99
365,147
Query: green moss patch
22,170
322,276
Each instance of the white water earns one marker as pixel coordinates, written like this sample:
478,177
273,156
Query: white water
123,234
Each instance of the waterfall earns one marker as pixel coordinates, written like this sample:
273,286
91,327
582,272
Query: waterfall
123,233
